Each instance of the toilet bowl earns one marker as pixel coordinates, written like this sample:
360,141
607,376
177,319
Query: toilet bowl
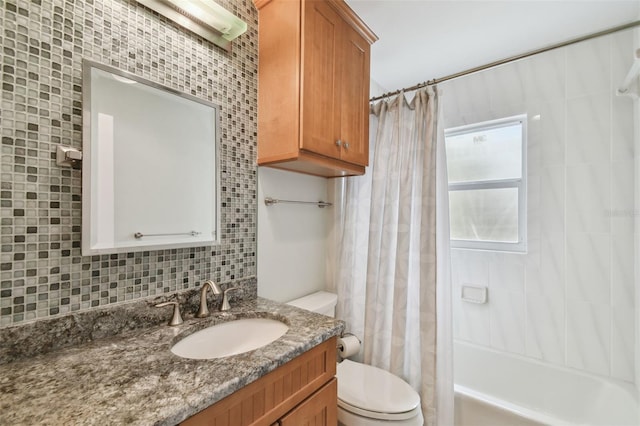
367,395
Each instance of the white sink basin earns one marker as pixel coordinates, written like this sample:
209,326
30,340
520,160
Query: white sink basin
230,338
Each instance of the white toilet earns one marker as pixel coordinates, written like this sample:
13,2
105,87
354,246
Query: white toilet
367,395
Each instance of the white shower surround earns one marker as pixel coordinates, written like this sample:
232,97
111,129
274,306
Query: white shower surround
571,299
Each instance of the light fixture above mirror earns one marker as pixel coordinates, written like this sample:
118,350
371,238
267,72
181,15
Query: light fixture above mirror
204,17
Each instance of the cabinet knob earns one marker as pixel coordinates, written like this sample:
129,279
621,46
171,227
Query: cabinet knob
346,145
338,143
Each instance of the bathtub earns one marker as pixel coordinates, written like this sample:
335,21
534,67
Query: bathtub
494,389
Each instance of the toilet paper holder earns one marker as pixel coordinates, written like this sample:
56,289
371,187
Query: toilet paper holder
340,347
348,345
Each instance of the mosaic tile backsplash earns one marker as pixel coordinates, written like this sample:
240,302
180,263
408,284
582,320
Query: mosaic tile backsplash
42,270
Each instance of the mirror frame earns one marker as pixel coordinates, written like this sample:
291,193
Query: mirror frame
87,250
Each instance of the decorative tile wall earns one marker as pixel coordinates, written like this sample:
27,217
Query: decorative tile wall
570,299
43,43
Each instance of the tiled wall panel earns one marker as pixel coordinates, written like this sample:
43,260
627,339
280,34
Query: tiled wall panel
570,299
43,43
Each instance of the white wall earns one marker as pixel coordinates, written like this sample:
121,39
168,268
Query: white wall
376,89
295,241
291,237
570,299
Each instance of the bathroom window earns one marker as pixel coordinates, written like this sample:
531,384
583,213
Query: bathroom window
487,184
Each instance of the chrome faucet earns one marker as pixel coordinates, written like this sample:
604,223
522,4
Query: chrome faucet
215,289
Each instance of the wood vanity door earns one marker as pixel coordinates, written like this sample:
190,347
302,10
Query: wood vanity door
320,409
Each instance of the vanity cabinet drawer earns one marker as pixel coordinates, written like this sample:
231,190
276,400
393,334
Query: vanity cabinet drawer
268,399
319,409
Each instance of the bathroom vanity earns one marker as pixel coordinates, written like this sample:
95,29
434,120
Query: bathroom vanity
133,378
302,391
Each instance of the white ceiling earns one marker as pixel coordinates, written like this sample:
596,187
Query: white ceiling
424,39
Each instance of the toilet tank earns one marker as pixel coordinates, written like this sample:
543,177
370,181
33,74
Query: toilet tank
321,302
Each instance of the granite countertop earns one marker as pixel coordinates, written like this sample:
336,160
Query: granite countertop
133,378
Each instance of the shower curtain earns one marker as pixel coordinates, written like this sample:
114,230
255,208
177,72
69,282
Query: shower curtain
391,256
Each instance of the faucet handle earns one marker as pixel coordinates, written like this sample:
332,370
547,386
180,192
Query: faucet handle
176,319
225,299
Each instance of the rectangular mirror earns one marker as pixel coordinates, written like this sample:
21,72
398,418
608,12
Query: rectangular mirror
150,165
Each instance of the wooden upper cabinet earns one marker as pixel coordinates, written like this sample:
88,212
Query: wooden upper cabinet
313,87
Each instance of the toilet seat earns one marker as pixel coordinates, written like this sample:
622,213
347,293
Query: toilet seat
378,415
375,393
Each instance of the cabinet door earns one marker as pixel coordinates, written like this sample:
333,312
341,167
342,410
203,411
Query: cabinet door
322,31
320,409
354,92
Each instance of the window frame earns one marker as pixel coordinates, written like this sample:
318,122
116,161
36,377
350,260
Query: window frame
520,184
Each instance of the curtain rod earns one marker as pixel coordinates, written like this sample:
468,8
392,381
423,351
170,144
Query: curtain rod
507,60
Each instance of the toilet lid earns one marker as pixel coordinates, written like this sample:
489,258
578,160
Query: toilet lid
373,389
